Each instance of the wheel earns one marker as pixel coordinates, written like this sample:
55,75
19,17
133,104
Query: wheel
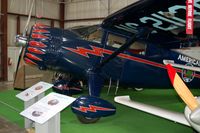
138,89
87,120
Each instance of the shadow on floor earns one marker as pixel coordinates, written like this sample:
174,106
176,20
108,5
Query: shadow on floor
7,127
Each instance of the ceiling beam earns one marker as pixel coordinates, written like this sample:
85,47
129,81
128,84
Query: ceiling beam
62,14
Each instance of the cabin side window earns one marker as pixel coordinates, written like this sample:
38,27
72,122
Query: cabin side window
115,41
138,48
90,33
95,36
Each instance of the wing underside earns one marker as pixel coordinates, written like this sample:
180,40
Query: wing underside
169,115
157,15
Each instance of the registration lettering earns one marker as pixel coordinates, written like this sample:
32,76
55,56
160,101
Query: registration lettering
159,19
189,60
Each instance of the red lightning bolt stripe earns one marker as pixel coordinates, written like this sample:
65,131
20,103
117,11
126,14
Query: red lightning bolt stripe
84,52
92,108
100,51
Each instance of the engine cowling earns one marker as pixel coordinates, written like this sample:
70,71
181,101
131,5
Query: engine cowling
92,107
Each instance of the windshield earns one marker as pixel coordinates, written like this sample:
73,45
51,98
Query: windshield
90,33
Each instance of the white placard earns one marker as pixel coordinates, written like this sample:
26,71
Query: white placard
34,91
47,107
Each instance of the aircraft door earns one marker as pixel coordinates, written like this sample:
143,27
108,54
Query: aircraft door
114,68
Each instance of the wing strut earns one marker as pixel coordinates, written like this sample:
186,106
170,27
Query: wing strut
142,32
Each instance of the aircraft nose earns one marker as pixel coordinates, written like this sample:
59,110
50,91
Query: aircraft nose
21,40
34,53
37,46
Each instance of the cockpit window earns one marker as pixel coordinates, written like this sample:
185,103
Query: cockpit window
138,48
90,33
95,36
115,41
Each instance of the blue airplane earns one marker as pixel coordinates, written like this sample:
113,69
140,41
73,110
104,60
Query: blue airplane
150,34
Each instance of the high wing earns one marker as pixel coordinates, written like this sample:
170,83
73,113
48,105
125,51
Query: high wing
158,22
166,16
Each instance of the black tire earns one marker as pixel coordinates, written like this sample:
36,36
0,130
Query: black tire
86,120
194,131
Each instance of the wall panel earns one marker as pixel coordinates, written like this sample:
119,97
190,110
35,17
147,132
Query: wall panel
56,24
32,22
82,23
44,8
74,10
12,30
87,9
92,9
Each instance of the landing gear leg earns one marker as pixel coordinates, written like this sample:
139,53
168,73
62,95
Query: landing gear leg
95,83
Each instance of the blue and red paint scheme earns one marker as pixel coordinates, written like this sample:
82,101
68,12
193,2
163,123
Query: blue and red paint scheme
96,107
64,51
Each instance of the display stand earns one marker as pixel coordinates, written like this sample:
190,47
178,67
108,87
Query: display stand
51,126
46,112
29,123
31,96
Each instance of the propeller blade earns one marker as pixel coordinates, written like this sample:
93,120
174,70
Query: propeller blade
19,73
181,88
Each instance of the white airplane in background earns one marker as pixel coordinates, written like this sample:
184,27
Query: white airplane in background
191,116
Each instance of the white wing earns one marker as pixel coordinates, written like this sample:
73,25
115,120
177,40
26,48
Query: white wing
170,115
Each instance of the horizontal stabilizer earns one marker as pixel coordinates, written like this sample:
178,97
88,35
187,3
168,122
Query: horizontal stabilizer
170,115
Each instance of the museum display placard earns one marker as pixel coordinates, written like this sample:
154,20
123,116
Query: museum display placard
34,91
47,107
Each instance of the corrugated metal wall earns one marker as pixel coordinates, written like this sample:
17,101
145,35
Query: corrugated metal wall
77,12
84,9
43,8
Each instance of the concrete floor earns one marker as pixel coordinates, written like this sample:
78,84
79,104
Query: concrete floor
31,79
6,86
6,126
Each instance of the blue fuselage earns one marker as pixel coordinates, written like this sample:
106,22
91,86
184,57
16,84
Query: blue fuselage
65,52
